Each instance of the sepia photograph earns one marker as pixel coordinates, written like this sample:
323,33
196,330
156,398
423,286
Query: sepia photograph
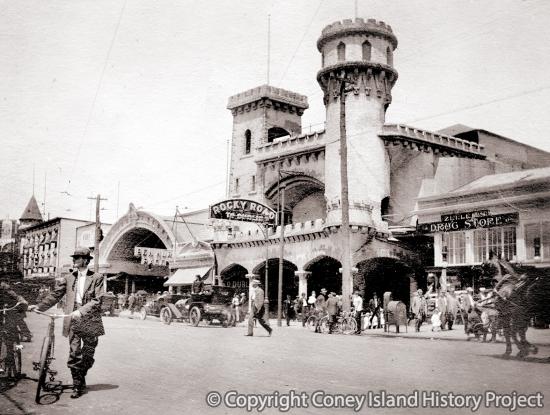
274,206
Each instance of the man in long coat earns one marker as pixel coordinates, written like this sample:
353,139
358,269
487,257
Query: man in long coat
257,309
84,291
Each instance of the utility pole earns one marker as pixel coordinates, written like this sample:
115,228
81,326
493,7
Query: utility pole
98,200
281,256
347,284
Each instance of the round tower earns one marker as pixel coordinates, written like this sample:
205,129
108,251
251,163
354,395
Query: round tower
360,54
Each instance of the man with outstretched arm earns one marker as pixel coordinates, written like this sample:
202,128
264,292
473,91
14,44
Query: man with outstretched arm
84,291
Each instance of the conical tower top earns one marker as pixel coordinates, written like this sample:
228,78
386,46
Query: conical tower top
31,215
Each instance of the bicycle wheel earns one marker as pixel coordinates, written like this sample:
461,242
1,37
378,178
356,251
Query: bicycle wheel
311,322
348,325
43,368
324,325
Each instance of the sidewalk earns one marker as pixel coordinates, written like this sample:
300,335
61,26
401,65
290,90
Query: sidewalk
539,337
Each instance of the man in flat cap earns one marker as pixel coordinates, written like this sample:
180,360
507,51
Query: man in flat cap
257,309
84,292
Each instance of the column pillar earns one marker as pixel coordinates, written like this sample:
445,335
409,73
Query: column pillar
353,273
133,286
302,281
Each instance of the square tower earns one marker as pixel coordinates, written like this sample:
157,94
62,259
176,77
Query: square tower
260,116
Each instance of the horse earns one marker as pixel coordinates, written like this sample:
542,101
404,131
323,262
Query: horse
516,297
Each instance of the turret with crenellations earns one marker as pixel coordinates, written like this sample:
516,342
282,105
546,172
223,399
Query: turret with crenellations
361,52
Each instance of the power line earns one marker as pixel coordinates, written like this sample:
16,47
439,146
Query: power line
492,101
301,40
85,133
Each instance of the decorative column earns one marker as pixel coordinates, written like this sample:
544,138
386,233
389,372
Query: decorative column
302,281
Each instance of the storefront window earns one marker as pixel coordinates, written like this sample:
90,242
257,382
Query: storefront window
499,241
537,240
455,243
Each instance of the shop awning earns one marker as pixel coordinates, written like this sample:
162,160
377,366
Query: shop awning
186,276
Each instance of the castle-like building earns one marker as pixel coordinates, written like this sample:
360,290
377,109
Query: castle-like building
389,168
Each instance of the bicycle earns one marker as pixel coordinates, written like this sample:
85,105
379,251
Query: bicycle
345,324
46,357
10,347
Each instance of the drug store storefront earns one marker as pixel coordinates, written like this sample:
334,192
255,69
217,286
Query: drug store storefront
505,214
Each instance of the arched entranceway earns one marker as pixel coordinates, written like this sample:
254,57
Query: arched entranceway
304,198
142,276
379,275
290,283
325,273
235,276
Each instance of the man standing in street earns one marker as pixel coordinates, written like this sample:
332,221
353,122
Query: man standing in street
257,309
332,310
84,292
419,309
374,307
320,309
358,309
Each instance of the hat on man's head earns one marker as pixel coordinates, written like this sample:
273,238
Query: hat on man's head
255,282
482,289
323,290
470,289
419,291
82,253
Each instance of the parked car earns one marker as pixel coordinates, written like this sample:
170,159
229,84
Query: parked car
154,307
213,304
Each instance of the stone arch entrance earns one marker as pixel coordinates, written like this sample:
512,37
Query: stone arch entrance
234,276
325,273
304,198
290,283
384,274
155,240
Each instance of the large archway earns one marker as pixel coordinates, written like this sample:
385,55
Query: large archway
304,198
144,268
235,276
379,275
290,284
325,273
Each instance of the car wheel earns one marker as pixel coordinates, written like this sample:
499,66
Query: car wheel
143,313
166,315
195,316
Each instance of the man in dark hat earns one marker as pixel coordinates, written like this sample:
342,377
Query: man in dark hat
198,285
84,292
257,309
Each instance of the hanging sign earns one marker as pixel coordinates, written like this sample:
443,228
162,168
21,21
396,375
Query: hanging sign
243,210
473,222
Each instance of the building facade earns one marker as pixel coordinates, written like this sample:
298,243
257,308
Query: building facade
273,162
46,248
507,215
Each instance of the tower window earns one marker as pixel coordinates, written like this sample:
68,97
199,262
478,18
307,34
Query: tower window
389,55
276,132
247,141
237,185
253,184
366,50
341,49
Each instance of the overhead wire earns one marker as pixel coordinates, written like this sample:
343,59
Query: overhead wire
94,100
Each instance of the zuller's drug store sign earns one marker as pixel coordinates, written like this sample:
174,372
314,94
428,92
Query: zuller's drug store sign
469,220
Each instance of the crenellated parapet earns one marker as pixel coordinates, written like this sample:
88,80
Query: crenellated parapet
374,80
267,96
359,26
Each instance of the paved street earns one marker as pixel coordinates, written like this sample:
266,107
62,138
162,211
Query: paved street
145,367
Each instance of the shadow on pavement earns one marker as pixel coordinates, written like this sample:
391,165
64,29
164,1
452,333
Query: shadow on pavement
529,359
101,387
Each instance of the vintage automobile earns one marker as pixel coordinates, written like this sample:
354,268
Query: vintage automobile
213,304
108,304
156,306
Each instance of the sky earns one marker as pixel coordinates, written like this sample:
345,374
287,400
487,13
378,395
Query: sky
127,98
